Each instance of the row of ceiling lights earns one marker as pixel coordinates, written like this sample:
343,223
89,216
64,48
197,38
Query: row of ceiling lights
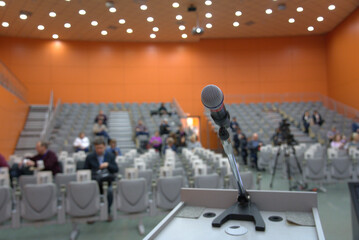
24,16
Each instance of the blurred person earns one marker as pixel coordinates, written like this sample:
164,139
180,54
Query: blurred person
354,141
254,147
337,142
141,129
156,141
170,144
234,124
82,143
100,129
164,127
181,137
317,118
331,133
101,116
162,109
276,137
103,167
193,142
306,119
113,148
3,162
355,125
240,144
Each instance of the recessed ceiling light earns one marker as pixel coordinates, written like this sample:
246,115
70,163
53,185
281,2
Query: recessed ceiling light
94,23
291,20
67,0
55,36
103,32
129,30
208,2
52,14
331,7
150,19
122,21
182,27
82,12
2,4
179,17
155,29
238,13
208,15
143,7
175,4
236,24
67,25
184,35
300,9
152,35
269,11
5,24
41,27
208,25
23,16
112,9
320,19
310,28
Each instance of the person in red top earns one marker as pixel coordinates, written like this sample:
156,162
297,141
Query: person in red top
3,162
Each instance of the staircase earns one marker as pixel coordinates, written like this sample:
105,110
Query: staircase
32,130
120,129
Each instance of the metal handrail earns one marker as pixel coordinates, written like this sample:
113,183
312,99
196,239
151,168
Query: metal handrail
178,108
10,82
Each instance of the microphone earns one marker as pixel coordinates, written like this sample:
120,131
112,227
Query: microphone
212,98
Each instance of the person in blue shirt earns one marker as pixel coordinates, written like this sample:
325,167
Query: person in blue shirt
355,125
234,124
254,146
170,144
113,148
240,144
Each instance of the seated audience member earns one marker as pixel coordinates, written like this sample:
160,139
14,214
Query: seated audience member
164,127
3,162
337,142
156,141
194,143
162,109
113,148
240,144
254,146
234,124
277,137
331,133
101,116
48,158
82,143
103,167
354,141
100,129
355,125
317,118
170,144
181,136
141,129
306,121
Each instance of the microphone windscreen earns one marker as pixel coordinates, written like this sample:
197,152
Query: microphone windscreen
212,97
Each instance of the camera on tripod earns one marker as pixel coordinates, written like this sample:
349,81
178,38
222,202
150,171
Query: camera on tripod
285,135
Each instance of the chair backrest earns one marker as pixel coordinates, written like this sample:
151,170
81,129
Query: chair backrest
82,199
27,179
200,169
315,169
168,193
132,195
43,177
5,203
247,179
146,174
131,173
166,171
38,202
64,179
140,166
207,181
83,175
177,172
4,177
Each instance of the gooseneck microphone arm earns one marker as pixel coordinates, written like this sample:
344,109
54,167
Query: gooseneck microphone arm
212,98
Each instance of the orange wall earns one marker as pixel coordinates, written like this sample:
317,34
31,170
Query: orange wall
13,114
128,72
343,61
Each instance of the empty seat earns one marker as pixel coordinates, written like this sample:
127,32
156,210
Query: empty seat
168,192
26,179
207,181
5,204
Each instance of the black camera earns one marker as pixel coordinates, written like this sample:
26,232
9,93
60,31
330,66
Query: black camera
285,135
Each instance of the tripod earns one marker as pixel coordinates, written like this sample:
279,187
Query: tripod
286,149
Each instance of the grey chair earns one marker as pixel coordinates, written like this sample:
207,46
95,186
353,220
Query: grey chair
131,198
39,203
315,171
146,174
83,203
62,180
5,207
26,179
168,192
207,181
247,179
340,168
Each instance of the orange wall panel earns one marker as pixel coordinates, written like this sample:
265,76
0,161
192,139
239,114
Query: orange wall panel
13,114
343,59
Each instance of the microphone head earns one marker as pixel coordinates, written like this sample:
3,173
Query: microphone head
212,97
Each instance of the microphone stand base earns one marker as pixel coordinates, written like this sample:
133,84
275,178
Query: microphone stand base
241,211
